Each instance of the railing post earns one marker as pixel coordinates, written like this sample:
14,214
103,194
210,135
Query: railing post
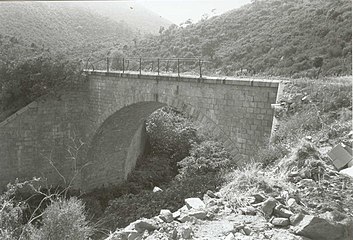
123,65
178,69
158,66
200,65
140,65
107,64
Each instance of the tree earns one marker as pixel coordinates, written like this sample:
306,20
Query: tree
161,29
318,62
208,49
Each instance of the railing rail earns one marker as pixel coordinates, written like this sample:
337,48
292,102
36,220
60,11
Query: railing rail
148,64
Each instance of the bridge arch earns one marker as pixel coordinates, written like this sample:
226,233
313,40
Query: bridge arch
120,140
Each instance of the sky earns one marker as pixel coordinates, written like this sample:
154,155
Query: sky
178,11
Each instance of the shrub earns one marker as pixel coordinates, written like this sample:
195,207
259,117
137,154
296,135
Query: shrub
10,218
64,219
268,155
251,179
170,133
205,157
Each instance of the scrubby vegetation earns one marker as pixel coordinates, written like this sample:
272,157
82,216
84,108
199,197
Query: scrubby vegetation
272,38
313,115
53,217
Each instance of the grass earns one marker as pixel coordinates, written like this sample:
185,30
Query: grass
251,179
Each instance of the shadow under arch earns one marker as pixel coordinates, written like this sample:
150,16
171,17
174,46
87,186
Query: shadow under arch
117,144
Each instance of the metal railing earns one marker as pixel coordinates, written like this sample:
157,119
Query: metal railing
157,65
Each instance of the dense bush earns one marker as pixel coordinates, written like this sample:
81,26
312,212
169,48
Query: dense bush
206,157
170,133
28,79
11,222
64,219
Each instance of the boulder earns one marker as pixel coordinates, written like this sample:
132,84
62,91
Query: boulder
166,215
145,224
268,206
195,203
249,210
199,214
296,218
280,222
280,211
321,229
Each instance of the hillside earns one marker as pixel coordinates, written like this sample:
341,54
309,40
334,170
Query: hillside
59,27
136,16
268,37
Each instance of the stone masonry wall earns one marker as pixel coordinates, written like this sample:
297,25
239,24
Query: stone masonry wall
106,113
38,134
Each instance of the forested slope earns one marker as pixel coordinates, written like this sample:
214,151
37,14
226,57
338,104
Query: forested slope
270,37
56,26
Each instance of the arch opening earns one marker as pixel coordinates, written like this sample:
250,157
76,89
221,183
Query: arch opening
117,144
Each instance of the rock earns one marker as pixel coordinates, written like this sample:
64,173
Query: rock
184,209
280,211
186,218
176,214
348,171
291,201
238,226
230,236
166,215
145,224
157,189
247,230
195,203
319,228
296,218
293,174
249,210
186,232
280,222
258,197
211,194
198,214
306,183
268,206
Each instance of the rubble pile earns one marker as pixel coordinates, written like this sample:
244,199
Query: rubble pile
280,217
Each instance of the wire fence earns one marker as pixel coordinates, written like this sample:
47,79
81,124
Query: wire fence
193,66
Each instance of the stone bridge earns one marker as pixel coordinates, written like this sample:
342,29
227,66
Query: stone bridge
93,134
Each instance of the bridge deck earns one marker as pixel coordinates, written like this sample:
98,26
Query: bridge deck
256,82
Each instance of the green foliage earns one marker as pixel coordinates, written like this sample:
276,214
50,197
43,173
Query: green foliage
206,157
25,80
170,133
318,61
64,219
11,213
266,37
